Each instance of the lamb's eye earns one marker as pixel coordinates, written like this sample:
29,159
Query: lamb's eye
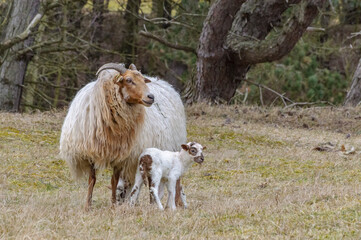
129,80
193,151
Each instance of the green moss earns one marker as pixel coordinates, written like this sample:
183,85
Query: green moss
37,137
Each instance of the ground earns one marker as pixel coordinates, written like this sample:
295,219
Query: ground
261,179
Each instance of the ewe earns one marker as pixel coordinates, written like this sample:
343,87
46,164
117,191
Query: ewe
107,124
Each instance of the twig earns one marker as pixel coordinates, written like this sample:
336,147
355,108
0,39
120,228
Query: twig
283,98
22,36
245,96
315,29
160,20
168,44
52,85
260,95
308,103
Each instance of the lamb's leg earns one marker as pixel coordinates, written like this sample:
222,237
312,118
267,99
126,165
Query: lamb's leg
161,190
184,199
91,183
171,186
114,182
153,187
136,188
178,201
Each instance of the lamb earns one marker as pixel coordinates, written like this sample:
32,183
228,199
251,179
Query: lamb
165,167
107,124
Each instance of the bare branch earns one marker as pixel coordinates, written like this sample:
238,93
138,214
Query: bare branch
168,44
22,36
274,48
308,103
284,99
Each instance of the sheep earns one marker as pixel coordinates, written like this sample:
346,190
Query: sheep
109,118
165,167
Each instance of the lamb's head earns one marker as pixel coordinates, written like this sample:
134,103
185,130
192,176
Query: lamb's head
132,84
195,150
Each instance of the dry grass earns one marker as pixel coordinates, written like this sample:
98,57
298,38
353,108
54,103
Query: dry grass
260,180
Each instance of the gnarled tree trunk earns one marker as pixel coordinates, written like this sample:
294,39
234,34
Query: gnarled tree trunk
234,38
354,95
13,67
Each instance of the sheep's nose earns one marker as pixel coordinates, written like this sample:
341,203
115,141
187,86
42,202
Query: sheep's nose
151,96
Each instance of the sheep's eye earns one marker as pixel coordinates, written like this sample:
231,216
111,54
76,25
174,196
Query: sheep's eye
129,80
193,151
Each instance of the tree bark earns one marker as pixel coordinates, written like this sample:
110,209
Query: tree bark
217,66
235,36
247,37
12,70
98,16
131,23
353,97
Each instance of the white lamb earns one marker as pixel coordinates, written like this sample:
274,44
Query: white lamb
165,167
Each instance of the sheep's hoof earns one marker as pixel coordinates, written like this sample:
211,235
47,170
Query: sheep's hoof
87,208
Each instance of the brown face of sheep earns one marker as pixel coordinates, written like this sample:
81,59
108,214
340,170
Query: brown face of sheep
133,87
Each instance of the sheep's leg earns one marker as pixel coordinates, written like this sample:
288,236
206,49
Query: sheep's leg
91,183
153,187
161,190
178,201
171,186
136,188
184,199
114,182
121,191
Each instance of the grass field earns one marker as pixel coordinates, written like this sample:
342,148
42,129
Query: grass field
261,179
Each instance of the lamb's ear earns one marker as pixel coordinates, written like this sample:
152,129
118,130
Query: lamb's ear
204,148
146,80
185,147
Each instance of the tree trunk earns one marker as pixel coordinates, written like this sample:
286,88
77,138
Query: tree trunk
131,30
12,69
353,97
216,65
234,38
98,12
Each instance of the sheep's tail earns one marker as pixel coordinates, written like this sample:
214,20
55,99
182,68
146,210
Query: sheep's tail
145,165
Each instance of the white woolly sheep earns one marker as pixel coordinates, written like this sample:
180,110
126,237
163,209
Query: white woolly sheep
108,126
165,167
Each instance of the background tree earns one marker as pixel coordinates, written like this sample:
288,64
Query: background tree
228,48
353,97
222,54
129,47
16,35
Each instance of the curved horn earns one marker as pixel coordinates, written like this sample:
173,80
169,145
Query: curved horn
116,66
132,67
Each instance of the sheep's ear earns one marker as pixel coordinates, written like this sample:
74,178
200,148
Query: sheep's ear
185,147
118,78
146,80
204,148
132,67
